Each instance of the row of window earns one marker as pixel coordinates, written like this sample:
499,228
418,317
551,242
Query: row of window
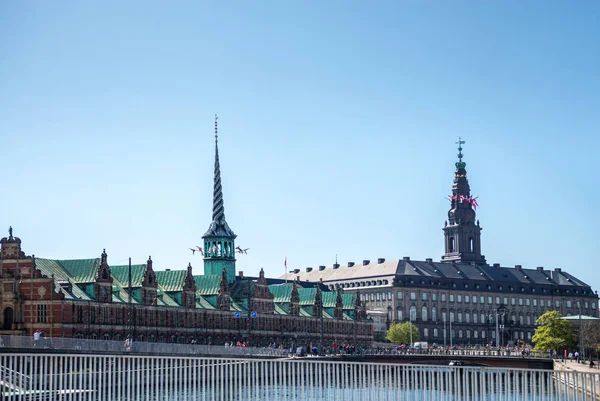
383,296
474,333
468,317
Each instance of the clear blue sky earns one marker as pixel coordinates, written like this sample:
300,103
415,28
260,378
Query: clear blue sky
337,120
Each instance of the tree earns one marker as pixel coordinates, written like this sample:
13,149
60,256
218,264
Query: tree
552,332
590,334
400,333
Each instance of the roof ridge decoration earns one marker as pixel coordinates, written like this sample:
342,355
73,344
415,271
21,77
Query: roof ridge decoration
218,226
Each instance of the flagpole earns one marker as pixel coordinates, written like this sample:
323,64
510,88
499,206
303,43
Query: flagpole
285,269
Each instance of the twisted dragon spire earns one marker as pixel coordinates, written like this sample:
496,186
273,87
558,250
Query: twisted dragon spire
218,208
218,226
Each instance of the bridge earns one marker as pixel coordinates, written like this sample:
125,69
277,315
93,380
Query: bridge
84,377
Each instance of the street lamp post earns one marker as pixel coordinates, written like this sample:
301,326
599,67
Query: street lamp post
444,316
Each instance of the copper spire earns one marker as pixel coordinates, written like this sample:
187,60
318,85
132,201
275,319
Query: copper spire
219,226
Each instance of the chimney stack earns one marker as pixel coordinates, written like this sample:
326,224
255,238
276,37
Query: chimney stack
380,260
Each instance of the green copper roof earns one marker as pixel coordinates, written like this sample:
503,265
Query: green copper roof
349,301
166,300
306,311
203,303
208,285
281,292
121,273
50,267
329,298
234,306
171,280
307,296
279,310
583,317
81,270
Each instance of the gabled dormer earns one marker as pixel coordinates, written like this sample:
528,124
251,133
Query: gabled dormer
188,297
149,285
104,280
294,301
262,297
338,312
318,305
224,297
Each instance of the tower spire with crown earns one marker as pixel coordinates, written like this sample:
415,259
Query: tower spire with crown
219,239
462,233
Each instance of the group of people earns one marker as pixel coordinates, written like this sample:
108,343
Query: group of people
40,339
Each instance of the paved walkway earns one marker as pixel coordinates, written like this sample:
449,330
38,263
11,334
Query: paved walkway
574,366
577,376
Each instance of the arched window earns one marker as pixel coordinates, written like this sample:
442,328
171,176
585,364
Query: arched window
424,313
451,244
471,245
452,316
413,313
475,320
460,316
467,317
433,314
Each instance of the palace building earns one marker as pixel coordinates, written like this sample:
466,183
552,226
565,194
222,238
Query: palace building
461,299
89,298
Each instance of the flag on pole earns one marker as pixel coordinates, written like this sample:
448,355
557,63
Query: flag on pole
285,269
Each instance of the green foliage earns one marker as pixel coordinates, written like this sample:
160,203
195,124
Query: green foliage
400,333
552,332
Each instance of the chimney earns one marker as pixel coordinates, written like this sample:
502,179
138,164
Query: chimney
241,274
321,268
496,265
558,269
540,268
429,260
406,258
296,271
350,264
518,267
335,266
380,260
366,262
308,269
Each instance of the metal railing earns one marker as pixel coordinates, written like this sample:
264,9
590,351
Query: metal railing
120,347
494,352
143,377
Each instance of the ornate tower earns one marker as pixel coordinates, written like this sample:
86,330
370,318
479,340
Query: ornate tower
219,240
149,285
462,234
188,296
104,281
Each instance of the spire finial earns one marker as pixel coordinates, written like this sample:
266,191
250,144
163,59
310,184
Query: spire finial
216,129
10,232
460,163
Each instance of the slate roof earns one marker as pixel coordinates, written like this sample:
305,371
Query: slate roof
362,275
